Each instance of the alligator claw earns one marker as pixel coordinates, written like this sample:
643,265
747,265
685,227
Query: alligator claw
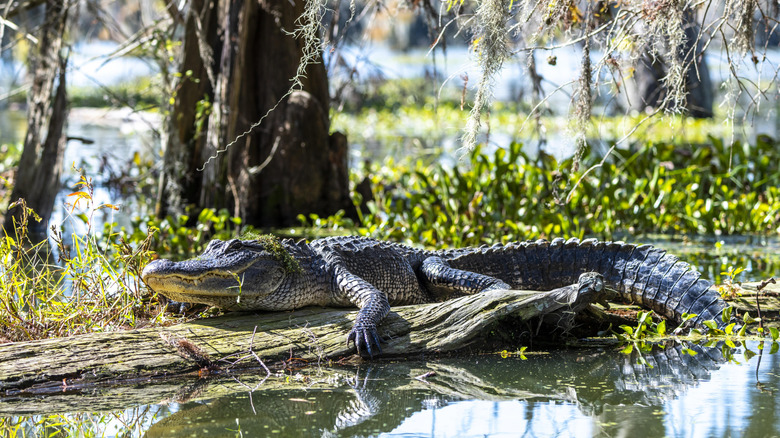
364,338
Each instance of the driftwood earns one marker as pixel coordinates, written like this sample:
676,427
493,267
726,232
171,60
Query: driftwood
768,300
210,345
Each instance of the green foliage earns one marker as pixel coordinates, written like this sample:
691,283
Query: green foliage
95,287
140,93
646,327
728,289
386,97
9,158
710,189
183,236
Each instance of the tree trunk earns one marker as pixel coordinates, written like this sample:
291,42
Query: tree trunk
310,334
243,62
646,90
179,182
38,178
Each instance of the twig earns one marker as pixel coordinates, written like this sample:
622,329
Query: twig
251,344
758,306
424,376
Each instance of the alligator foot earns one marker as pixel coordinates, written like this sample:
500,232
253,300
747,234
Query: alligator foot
365,337
180,308
589,288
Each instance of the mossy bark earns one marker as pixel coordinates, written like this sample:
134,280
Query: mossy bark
238,60
309,335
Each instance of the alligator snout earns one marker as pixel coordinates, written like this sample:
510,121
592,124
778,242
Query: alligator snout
157,267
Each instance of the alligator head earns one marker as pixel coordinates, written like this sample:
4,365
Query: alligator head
229,274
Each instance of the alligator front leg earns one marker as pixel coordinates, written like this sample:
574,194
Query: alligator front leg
441,279
373,305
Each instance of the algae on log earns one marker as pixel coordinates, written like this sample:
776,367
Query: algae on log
309,334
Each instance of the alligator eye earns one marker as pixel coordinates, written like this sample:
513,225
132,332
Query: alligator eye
234,244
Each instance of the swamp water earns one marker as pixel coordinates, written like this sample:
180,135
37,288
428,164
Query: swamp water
567,393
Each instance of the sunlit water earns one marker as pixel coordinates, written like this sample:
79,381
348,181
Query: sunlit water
569,393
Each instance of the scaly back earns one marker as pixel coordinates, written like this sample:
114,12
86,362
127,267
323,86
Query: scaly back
642,274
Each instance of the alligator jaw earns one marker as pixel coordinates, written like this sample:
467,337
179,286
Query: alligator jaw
234,279
212,287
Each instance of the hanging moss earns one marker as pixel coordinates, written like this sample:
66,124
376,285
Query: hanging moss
491,46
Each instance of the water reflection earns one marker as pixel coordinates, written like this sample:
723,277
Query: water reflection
563,393
585,392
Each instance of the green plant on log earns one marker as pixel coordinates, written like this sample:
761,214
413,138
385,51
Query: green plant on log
728,289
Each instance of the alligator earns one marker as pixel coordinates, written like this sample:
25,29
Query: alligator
349,271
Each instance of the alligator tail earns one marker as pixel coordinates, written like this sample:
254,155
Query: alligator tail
647,276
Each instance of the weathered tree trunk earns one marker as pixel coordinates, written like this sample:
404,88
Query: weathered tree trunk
242,56
179,182
38,177
308,334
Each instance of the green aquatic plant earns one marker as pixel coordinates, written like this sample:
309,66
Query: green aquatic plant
179,237
646,327
713,189
728,289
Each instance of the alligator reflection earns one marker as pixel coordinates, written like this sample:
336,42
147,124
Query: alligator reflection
383,396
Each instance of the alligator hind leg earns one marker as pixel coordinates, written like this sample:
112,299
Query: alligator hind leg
574,298
442,280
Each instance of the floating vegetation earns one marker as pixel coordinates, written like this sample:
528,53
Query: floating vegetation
707,189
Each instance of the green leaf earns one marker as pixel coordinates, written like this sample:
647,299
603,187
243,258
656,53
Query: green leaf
774,348
730,328
726,315
742,330
774,333
629,348
710,324
661,328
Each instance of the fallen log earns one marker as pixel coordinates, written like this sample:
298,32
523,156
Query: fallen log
764,304
312,335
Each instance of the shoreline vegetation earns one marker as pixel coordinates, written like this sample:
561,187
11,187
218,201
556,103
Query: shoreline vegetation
683,181
659,188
